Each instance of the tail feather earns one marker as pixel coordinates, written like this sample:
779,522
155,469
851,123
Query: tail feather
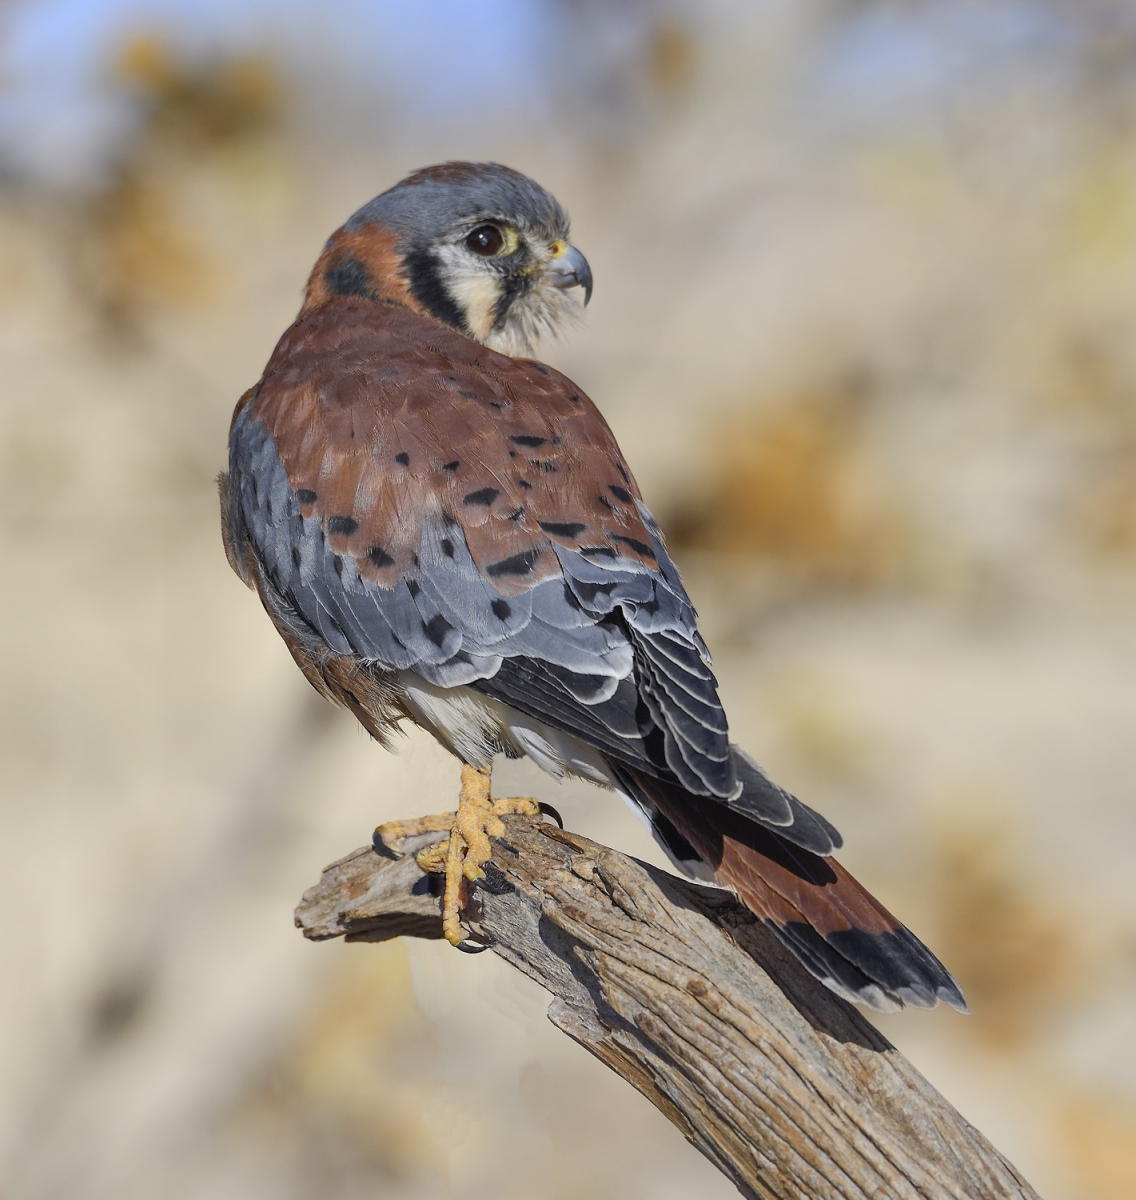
800,824
840,932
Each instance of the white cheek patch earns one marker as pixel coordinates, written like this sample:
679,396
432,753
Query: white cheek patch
476,296
476,288
473,287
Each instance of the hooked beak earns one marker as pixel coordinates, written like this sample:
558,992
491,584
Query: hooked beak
570,269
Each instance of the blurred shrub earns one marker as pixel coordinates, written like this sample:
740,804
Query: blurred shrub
797,484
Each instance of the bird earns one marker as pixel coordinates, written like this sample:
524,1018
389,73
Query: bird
444,530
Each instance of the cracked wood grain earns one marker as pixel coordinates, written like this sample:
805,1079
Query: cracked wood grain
787,1089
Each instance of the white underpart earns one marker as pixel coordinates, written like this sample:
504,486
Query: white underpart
473,726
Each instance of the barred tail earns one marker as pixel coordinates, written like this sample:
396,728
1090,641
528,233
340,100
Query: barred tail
840,932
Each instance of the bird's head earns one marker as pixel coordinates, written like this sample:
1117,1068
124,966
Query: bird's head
476,245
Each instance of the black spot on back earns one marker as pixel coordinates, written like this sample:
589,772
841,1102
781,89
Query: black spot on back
348,277
402,457
527,439
597,551
451,466
306,496
344,525
635,544
545,465
501,609
483,496
379,557
516,564
525,484
564,529
587,592
620,493
447,547
436,629
413,587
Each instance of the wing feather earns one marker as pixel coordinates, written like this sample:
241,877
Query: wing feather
428,506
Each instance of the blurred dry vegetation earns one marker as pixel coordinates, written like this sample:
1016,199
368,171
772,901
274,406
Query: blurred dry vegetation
866,293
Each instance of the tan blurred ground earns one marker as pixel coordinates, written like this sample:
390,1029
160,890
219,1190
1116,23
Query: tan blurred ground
878,381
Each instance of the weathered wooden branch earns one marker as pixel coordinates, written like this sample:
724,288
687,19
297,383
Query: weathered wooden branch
784,1087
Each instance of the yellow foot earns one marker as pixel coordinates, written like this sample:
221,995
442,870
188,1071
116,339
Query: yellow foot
390,832
464,854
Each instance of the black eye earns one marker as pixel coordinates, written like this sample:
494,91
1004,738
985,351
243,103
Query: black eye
486,240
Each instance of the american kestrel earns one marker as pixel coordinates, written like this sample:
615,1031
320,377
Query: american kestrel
444,530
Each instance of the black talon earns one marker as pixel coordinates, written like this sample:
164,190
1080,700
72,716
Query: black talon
470,947
546,810
493,880
381,848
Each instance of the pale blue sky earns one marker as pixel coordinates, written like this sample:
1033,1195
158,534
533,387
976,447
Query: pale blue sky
55,113
886,63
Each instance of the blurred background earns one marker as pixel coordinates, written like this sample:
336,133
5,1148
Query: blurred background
866,292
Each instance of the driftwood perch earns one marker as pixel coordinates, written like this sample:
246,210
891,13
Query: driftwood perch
784,1087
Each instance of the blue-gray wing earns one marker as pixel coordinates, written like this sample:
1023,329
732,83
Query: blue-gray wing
406,498
578,618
